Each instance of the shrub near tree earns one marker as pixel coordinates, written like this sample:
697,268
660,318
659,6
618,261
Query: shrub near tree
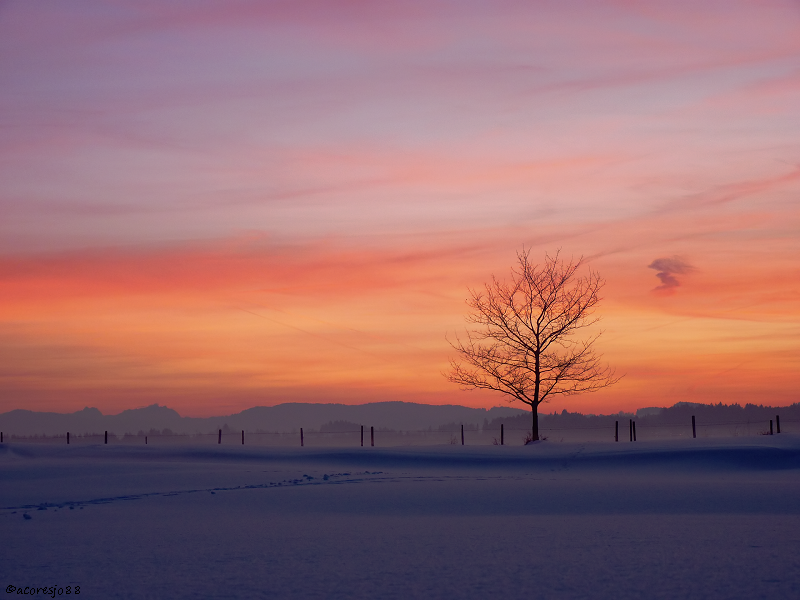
529,337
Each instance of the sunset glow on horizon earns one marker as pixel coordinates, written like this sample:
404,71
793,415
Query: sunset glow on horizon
214,206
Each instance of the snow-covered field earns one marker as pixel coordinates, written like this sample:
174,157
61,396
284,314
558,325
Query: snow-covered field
670,519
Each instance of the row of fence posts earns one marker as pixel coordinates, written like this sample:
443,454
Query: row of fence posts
302,438
371,436
632,429
631,426
105,438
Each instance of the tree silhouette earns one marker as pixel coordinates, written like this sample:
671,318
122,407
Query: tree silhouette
524,341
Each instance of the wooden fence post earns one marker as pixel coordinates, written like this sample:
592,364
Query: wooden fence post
630,428
694,431
371,436
634,430
219,437
242,437
462,435
770,427
1,437
302,442
106,438
68,437
501,434
362,436
777,424
145,440
616,431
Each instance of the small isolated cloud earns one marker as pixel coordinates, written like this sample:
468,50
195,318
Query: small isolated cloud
667,269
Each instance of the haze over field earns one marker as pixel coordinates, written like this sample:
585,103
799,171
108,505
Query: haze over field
218,205
339,424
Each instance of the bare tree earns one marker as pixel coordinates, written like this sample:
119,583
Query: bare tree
524,341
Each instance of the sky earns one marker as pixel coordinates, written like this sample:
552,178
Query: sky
218,205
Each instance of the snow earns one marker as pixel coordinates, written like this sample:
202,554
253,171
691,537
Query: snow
709,518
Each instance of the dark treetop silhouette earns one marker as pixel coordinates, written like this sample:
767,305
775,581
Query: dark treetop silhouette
524,341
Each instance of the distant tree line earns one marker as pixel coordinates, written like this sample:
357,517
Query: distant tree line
678,414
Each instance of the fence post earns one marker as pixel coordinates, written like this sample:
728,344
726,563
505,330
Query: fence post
777,424
68,437
242,437
1,437
770,427
634,430
630,428
616,431
219,437
371,436
462,435
302,442
501,434
145,440
106,438
362,436
694,431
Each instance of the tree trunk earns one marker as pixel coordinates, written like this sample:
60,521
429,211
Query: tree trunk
535,425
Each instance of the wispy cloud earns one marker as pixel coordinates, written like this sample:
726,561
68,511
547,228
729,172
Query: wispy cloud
667,269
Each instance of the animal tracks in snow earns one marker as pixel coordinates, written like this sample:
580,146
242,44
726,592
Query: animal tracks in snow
365,477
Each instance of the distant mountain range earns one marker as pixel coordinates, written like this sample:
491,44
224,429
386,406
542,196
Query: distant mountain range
282,418
399,416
